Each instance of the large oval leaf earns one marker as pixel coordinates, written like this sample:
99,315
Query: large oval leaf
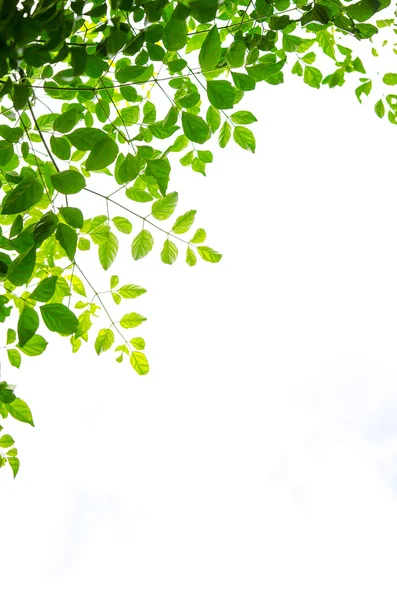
25,195
102,155
59,318
68,182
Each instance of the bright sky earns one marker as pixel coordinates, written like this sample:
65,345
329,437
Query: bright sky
258,458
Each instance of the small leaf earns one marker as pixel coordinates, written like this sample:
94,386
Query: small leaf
195,128
224,134
122,224
243,117
210,52
163,208
191,258
22,268
67,237
184,222
35,346
131,291
45,289
312,77
138,343
139,363
142,244
72,216
28,324
380,109
209,254
20,411
244,138
199,237
104,340
13,461
14,357
107,251
169,252
6,441
114,280
131,320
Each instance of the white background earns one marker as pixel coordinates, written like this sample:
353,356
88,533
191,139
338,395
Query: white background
258,458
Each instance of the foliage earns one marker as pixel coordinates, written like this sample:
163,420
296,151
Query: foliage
78,84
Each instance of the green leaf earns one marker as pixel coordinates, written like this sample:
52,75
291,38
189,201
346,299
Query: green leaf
11,336
138,195
243,82
210,52
85,138
175,31
107,251
45,227
199,237
195,128
25,195
244,138
72,216
13,461
104,340
28,324
67,237
139,363
208,254
184,222
138,343
224,134
20,411
65,122
45,289
364,88
191,258
235,54
221,94
160,169
243,117
142,244
380,109
103,154
59,318
363,10
131,291
169,253
122,224
163,208
114,280
312,77
60,146
14,357
22,268
131,320
388,79
213,118
68,182
128,169
6,441
6,152
35,346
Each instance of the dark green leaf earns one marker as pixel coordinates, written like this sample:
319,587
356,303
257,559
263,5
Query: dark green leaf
67,237
45,289
72,216
195,128
102,155
210,52
25,195
28,324
68,182
22,268
221,94
59,318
